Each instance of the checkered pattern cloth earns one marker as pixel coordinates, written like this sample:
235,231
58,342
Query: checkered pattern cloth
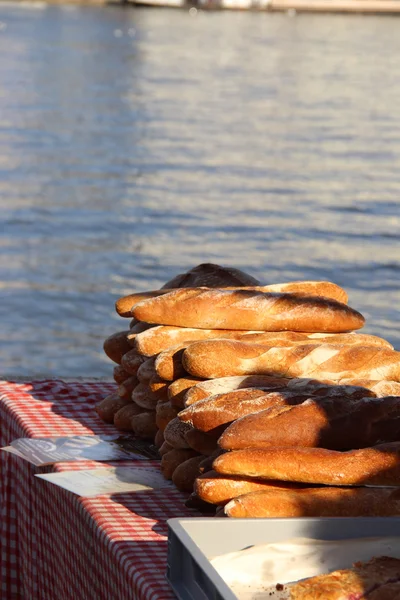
55,544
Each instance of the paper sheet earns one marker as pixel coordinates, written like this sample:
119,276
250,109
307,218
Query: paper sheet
111,480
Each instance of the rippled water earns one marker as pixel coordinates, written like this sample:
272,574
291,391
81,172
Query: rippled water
137,143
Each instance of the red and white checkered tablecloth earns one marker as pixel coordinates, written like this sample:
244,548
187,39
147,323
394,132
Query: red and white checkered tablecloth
56,545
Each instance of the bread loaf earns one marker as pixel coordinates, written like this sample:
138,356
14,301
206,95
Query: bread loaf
120,374
131,361
200,441
222,385
126,388
144,425
379,465
185,474
316,502
379,388
159,387
146,370
205,274
110,405
165,447
172,459
137,327
116,345
219,358
337,423
206,465
215,488
168,364
165,412
248,310
222,409
325,289
144,397
123,418
177,390
174,434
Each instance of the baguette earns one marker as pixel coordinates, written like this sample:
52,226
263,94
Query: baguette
336,423
161,337
316,502
203,443
124,306
215,488
168,364
159,387
165,412
136,328
379,465
131,361
144,397
123,418
207,463
172,459
177,390
146,370
110,405
248,310
205,274
219,358
126,388
165,447
185,474
174,434
120,375
144,425
222,385
116,345
222,409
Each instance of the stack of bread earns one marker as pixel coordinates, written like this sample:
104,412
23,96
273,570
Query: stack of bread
140,389
263,397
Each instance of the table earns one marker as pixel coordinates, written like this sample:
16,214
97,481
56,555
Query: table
56,545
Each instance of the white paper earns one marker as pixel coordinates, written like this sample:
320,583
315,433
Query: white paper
47,451
253,573
112,480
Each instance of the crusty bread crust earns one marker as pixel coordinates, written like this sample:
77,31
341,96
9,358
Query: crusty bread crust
248,310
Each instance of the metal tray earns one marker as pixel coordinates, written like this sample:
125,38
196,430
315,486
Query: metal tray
193,542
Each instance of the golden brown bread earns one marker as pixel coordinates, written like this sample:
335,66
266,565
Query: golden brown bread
248,310
316,502
206,388
222,409
144,425
146,370
336,423
185,474
379,388
219,358
174,433
206,274
123,418
200,441
379,465
137,327
159,387
168,364
131,361
116,345
177,390
126,388
120,374
110,405
206,465
144,397
172,459
215,488
165,412
223,280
